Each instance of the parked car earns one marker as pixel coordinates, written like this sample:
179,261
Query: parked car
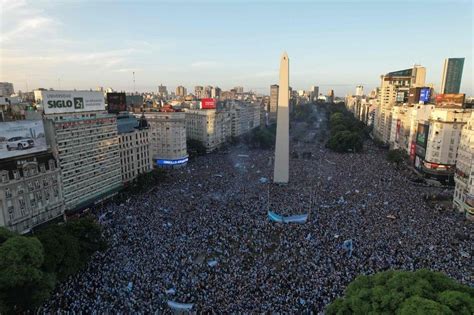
20,143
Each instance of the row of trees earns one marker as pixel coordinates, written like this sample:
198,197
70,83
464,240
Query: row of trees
346,132
30,266
261,138
405,293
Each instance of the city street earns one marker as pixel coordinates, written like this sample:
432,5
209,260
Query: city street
203,237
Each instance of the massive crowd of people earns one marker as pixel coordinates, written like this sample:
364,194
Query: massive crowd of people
203,236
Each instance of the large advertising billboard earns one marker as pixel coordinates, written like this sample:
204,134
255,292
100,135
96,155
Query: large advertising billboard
450,100
21,137
57,102
116,102
422,135
425,94
208,103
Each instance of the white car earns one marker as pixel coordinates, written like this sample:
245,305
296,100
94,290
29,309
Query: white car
20,143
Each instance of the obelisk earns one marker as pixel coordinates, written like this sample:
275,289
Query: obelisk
282,145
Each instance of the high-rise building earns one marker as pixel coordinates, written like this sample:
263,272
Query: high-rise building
212,128
464,176
135,157
452,74
181,91
84,139
6,89
207,91
330,98
167,137
198,91
162,91
394,89
359,90
273,102
437,142
314,92
216,92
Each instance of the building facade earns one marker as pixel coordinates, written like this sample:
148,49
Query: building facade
181,91
394,90
30,191
212,128
463,199
167,137
6,89
436,155
135,157
452,75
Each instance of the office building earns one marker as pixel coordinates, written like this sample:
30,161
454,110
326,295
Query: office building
30,191
314,92
330,98
212,128
84,139
6,89
452,75
394,90
437,142
181,91
162,91
359,90
135,157
207,91
167,137
199,92
216,92
463,199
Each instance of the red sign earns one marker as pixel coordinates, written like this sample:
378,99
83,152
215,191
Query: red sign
208,103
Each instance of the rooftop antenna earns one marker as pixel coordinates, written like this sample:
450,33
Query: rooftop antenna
134,88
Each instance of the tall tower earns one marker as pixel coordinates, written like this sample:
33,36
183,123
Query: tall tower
282,146
452,74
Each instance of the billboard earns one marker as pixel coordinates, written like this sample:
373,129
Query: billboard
425,94
57,102
161,162
450,100
21,137
422,135
116,102
208,103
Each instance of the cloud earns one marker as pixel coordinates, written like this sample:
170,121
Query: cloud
204,64
20,21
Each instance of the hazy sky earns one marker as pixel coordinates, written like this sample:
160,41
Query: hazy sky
333,44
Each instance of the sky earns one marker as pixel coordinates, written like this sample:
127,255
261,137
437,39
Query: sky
332,44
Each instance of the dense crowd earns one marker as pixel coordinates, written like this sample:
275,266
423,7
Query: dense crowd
162,242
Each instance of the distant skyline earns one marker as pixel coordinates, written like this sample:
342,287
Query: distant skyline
337,44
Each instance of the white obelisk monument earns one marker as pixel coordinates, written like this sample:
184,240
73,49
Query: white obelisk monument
282,146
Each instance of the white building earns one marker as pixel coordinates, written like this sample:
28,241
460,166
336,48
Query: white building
167,137
394,90
463,199
30,192
135,157
244,117
211,127
359,90
85,141
439,156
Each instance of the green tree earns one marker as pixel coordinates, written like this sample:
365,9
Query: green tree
345,141
396,156
195,147
5,234
88,234
404,292
61,251
23,286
